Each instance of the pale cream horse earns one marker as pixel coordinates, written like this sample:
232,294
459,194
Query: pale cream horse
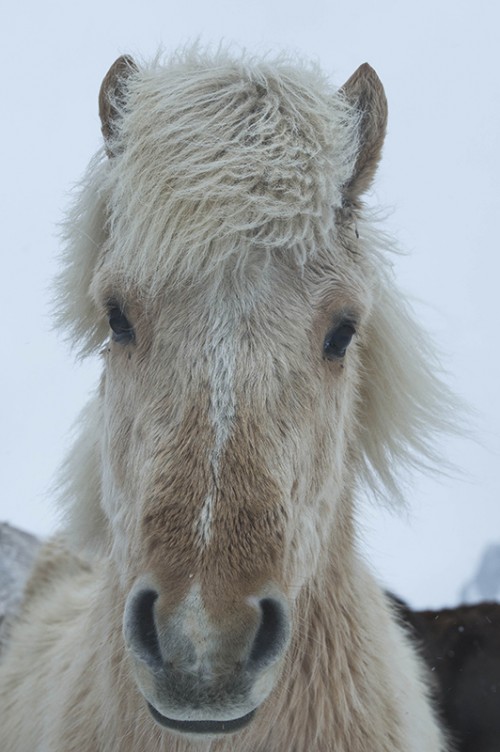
259,368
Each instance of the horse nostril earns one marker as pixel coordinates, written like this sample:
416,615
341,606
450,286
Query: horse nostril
140,628
272,635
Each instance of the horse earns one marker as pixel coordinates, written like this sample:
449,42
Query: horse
260,369
462,649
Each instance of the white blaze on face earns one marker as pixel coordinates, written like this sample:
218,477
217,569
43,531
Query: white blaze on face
221,351
193,623
203,525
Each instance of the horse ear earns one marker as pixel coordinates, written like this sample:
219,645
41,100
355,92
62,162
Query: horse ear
364,91
112,97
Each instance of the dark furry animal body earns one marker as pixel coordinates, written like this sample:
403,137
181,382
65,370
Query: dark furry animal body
462,649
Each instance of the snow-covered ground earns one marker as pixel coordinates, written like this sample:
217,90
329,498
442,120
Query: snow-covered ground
439,64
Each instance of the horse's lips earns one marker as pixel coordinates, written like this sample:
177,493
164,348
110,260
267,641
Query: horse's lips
202,727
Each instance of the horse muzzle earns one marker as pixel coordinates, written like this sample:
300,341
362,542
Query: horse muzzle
202,673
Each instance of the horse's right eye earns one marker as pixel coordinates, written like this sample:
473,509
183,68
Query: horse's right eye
123,331
338,340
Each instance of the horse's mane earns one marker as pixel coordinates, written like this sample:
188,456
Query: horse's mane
405,406
204,179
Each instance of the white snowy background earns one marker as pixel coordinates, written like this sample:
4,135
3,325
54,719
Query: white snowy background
439,178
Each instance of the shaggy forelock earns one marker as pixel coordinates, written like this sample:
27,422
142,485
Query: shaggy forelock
218,157
216,160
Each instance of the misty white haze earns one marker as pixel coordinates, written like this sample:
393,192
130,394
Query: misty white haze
438,184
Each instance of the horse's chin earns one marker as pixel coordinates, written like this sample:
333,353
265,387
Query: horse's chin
205,727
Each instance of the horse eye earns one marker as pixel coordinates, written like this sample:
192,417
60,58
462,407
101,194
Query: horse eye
123,331
338,340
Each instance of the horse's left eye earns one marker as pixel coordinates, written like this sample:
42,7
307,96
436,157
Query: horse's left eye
123,331
338,340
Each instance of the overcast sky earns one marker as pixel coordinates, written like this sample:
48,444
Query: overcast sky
439,63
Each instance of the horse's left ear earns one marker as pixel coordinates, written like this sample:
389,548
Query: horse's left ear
364,91
112,96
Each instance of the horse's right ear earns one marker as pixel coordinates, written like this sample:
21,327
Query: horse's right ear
112,98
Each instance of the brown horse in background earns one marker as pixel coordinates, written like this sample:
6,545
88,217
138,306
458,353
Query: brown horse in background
461,646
